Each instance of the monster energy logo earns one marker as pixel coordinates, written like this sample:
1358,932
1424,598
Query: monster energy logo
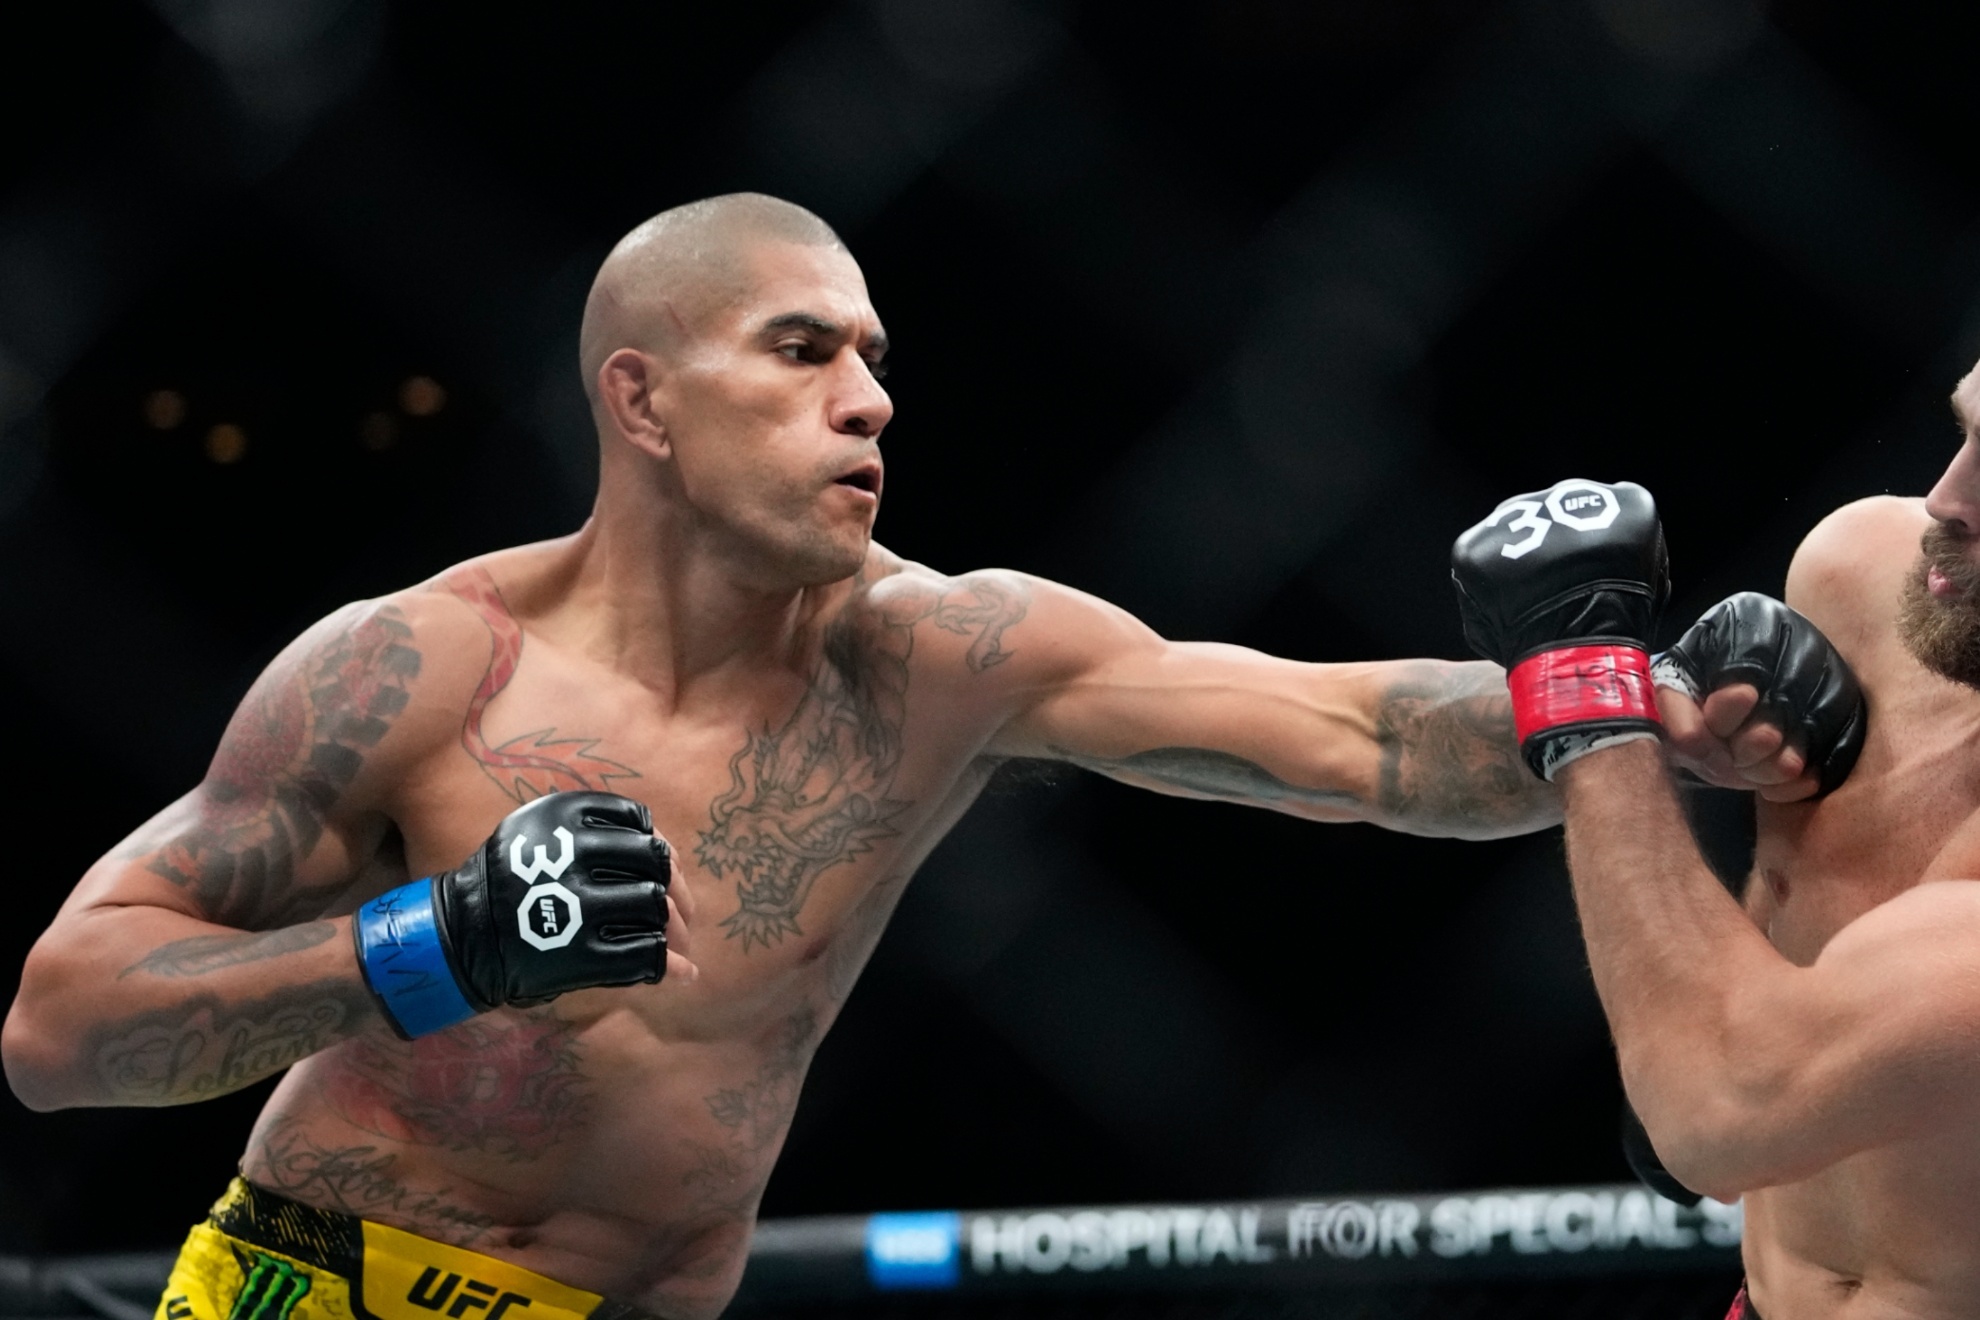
271,1292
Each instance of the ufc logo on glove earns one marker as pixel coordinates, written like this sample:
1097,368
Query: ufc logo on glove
1586,506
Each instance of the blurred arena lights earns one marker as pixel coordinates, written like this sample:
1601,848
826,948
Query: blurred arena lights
421,396
164,410
226,444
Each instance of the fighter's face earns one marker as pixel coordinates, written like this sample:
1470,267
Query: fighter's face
774,413
1940,616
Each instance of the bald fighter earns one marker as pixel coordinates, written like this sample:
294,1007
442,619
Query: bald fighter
493,1099
1817,1052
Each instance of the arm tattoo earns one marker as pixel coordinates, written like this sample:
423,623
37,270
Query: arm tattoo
358,1180
729,1176
209,953
981,609
510,1085
529,765
285,760
1450,762
817,791
202,1048
1208,773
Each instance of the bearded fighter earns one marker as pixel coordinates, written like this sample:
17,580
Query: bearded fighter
493,1100
1817,1052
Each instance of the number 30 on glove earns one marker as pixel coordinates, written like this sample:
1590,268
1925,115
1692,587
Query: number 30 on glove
569,893
1563,587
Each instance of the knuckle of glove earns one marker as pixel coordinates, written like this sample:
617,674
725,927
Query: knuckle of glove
609,811
625,902
575,897
1806,688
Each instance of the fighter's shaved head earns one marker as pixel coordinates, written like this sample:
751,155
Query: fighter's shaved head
676,269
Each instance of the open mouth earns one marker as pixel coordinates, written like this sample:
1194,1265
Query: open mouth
866,478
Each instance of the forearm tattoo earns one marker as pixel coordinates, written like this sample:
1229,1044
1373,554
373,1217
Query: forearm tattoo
293,747
1210,773
203,1047
201,954
1450,761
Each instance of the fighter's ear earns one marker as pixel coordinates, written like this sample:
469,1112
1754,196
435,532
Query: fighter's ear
629,386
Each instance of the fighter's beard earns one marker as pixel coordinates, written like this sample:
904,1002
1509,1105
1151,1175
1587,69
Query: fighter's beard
1943,633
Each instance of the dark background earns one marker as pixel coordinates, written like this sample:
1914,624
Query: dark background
1234,313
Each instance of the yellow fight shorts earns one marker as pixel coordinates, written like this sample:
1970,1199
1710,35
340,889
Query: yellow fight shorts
260,1256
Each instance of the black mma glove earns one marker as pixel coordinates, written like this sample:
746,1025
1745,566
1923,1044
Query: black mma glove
1563,588
1805,685
569,892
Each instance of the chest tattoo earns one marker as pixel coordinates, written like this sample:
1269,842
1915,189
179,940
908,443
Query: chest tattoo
528,765
818,790
813,793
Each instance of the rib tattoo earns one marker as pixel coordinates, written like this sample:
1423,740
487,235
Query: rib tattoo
285,760
529,765
730,1176
508,1085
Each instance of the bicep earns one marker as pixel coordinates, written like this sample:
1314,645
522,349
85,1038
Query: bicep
233,864
1878,1040
291,803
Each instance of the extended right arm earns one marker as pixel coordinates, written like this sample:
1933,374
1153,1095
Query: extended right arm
197,958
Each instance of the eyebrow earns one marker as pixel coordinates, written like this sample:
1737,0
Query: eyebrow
1959,413
876,343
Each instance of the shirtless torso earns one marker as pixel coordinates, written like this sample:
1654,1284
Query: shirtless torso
804,715
1888,1231
1818,1053
624,1136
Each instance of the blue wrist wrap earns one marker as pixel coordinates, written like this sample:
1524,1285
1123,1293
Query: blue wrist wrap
399,951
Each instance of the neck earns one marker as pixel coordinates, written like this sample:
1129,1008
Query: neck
652,593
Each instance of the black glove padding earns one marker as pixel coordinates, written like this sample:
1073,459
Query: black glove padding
1580,562
1805,685
1647,1165
1563,587
570,891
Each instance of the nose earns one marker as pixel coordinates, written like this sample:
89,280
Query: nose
859,406
1955,500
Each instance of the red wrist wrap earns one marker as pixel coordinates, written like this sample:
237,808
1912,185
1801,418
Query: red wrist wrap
1576,684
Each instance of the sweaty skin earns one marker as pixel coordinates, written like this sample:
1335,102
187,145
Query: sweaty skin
1819,1053
805,715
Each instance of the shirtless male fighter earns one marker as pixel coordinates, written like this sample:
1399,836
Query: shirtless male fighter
1818,1052
802,714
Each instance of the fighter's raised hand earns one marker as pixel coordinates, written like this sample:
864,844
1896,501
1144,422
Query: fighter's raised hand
1753,696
